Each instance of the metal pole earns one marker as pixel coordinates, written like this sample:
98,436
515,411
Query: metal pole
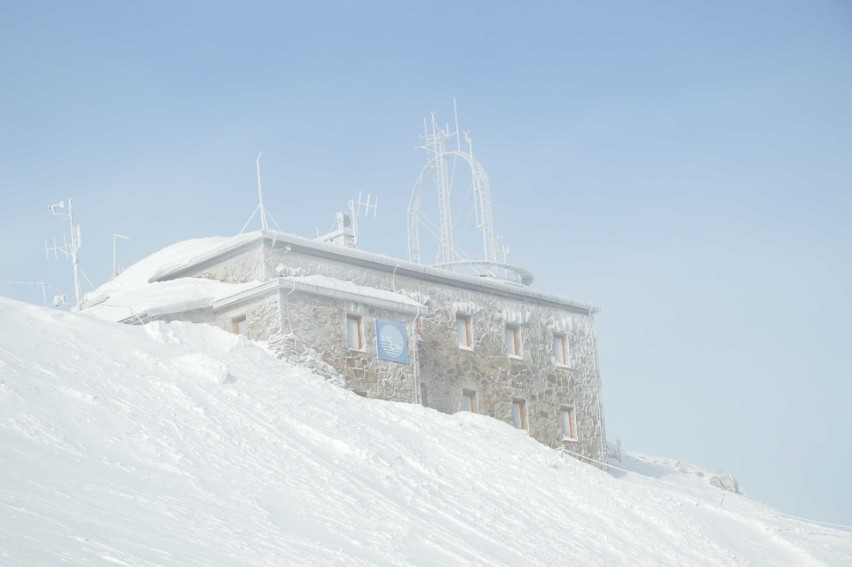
75,245
456,114
42,284
260,196
115,236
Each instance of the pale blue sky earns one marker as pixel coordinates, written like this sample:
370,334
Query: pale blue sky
684,165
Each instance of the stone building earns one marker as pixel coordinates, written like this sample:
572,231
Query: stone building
395,330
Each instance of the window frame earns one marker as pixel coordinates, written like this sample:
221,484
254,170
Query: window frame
468,342
566,352
236,323
569,412
523,416
360,326
517,343
471,396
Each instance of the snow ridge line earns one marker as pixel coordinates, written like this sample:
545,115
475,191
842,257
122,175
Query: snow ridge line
842,526
681,487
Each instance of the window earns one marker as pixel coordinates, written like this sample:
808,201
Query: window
469,400
240,326
560,350
569,432
513,341
519,413
354,336
463,335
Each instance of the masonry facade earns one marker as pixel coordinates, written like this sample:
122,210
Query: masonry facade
477,344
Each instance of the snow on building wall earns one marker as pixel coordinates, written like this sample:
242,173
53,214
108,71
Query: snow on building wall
499,349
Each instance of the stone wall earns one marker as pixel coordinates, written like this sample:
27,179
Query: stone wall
311,330
444,368
318,324
262,317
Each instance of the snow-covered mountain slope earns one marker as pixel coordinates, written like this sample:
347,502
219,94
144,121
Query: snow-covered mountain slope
180,444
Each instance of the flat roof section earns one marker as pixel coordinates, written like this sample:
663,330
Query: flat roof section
276,240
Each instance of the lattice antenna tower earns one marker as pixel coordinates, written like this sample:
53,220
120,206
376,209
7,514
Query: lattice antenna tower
438,156
260,208
439,174
69,249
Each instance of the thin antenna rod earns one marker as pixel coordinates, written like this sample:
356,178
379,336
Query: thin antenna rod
75,247
42,285
263,225
456,115
114,262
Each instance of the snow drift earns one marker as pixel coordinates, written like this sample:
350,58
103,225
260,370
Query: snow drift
180,444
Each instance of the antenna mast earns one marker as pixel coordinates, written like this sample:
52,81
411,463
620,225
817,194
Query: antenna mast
263,214
437,178
355,211
436,147
263,225
69,249
347,233
114,262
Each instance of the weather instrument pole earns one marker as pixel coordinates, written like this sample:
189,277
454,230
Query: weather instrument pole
263,225
42,285
70,249
114,262
260,208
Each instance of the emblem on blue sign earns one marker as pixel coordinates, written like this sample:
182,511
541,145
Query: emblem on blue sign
391,341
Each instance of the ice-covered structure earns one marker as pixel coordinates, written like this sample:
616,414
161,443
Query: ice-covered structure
463,334
386,328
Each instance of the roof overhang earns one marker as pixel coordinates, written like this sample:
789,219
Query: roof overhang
276,240
290,284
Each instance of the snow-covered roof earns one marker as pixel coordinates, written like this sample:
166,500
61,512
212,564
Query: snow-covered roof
132,293
136,293
326,287
275,239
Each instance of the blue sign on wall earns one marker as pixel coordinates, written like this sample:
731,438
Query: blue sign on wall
391,340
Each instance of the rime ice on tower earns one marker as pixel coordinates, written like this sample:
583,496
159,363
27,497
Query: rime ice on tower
447,172
69,249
